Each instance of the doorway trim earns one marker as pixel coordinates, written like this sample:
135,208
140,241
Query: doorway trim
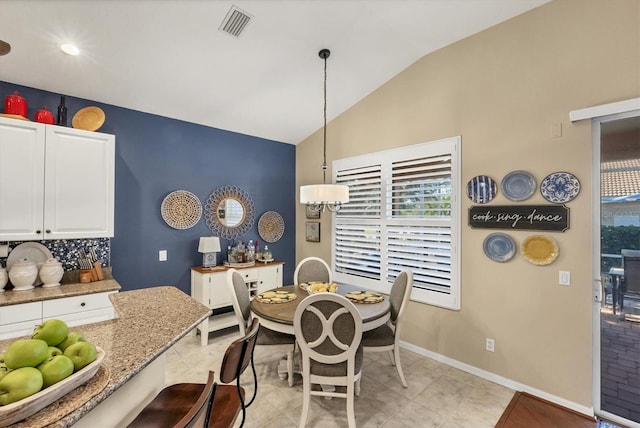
598,115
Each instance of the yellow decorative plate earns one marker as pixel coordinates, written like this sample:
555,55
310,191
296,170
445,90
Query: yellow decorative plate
89,118
539,249
276,297
364,297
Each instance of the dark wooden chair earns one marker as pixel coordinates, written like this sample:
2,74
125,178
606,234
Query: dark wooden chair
181,405
229,399
206,405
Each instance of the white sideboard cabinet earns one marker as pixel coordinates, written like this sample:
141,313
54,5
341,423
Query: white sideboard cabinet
55,182
210,288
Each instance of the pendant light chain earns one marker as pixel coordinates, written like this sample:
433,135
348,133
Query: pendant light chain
324,162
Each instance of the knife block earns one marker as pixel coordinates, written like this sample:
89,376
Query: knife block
85,276
90,275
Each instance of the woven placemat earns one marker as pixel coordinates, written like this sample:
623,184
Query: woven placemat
68,403
276,297
364,297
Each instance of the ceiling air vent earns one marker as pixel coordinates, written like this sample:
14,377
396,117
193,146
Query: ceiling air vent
235,21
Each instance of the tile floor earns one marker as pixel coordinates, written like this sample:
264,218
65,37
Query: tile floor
438,395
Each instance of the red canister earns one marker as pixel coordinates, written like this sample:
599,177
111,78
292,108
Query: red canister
15,104
44,116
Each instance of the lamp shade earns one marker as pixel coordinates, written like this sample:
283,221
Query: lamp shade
324,193
209,244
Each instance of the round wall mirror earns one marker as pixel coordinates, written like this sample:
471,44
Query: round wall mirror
229,212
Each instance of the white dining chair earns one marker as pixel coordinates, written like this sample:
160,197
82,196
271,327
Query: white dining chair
386,338
312,269
241,301
328,330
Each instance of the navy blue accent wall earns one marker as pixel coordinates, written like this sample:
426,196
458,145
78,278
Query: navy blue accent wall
156,155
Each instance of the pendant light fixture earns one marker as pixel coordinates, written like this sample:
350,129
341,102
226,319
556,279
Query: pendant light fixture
317,197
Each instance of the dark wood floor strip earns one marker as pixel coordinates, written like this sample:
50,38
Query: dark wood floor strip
528,411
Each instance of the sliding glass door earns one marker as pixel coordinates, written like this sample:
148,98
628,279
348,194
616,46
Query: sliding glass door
617,288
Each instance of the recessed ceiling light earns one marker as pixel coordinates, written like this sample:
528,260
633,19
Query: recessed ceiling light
70,49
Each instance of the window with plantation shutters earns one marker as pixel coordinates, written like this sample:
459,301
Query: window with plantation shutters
402,214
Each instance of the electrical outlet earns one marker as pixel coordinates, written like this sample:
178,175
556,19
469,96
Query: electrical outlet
491,345
564,278
162,255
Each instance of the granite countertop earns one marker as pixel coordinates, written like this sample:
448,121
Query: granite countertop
37,294
149,321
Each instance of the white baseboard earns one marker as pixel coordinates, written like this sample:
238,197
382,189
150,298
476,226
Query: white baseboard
511,384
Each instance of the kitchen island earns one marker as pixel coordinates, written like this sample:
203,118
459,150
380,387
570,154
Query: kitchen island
148,322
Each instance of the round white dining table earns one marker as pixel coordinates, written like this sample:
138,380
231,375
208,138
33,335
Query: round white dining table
279,316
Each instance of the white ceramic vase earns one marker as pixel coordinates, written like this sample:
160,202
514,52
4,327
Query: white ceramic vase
51,273
4,278
23,274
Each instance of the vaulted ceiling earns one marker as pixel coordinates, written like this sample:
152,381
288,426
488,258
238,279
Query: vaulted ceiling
169,57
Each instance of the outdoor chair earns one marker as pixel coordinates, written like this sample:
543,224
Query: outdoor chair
631,268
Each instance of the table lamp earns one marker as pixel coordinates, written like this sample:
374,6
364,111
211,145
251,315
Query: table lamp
209,246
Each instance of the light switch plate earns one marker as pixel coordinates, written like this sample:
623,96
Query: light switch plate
162,255
564,278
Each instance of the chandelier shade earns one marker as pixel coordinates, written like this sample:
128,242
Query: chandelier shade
321,193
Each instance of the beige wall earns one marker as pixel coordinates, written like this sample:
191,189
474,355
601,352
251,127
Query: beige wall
502,90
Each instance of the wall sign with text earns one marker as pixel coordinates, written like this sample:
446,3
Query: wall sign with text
520,217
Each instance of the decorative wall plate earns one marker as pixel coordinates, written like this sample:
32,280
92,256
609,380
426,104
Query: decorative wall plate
539,249
518,185
499,247
482,189
271,226
181,209
32,251
560,187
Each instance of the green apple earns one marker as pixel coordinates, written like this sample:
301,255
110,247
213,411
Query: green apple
81,353
52,351
72,337
25,353
3,370
55,369
19,383
52,331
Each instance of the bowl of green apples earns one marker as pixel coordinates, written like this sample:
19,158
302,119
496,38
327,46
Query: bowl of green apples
36,371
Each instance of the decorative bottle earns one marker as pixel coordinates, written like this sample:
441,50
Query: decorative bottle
251,251
62,112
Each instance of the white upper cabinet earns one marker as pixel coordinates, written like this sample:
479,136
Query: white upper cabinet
55,182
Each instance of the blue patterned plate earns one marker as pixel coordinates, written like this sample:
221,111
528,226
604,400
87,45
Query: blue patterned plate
560,187
518,185
481,189
499,247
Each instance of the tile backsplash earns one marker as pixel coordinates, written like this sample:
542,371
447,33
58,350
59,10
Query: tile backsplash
67,250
